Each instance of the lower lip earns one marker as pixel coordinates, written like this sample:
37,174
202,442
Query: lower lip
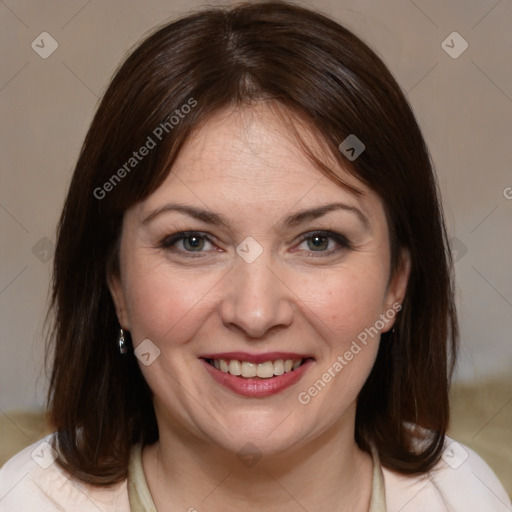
255,387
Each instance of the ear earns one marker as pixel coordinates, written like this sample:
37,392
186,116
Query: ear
116,291
397,287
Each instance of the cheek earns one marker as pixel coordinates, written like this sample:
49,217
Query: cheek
345,303
165,304
345,316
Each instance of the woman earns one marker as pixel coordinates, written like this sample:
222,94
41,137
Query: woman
252,288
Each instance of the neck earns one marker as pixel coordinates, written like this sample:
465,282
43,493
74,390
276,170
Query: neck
329,473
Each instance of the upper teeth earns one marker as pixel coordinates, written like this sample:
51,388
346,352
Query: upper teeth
263,370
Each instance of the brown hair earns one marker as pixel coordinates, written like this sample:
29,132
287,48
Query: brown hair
320,72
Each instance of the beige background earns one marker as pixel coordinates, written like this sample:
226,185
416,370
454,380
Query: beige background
464,106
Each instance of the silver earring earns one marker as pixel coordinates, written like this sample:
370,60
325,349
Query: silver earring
123,349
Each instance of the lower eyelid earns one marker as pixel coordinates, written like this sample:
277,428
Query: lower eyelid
325,253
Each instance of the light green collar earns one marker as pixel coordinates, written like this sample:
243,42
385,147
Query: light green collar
141,500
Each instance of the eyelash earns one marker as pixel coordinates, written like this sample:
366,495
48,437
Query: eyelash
169,242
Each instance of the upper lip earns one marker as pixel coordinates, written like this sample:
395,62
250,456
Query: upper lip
255,358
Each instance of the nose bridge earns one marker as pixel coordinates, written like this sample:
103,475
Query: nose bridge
256,300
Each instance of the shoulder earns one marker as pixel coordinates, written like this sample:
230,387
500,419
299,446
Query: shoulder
460,482
32,480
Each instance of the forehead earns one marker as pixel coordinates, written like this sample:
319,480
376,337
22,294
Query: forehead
251,155
251,143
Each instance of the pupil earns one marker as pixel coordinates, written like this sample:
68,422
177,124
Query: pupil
193,241
319,241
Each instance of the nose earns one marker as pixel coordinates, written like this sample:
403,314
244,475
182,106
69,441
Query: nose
256,300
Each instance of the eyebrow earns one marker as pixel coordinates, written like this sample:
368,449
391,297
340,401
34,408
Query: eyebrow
295,219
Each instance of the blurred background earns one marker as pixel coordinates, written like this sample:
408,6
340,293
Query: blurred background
452,59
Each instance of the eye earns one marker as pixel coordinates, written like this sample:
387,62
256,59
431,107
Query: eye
190,241
194,243
325,242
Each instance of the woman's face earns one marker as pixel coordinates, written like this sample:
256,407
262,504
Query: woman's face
283,267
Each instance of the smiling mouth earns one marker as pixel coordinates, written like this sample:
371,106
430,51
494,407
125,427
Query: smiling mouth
266,370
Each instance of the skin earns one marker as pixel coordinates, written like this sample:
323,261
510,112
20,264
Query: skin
246,166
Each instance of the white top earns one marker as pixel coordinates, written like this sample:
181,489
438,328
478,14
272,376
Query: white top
461,482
